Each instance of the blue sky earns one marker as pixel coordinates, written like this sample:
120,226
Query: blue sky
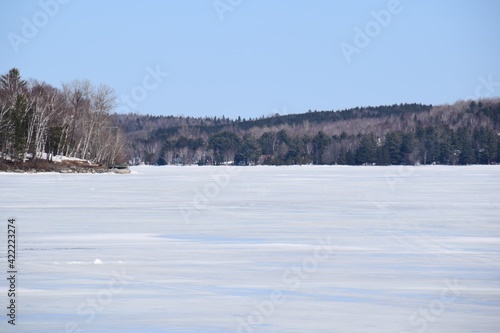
255,57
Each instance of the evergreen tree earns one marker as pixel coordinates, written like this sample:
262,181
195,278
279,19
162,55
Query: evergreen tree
383,156
487,145
267,142
342,159
431,145
407,147
467,153
19,120
320,142
366,152
248,151
224,146
393,142
349,156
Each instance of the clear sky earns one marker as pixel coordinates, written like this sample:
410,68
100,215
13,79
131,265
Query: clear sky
258,57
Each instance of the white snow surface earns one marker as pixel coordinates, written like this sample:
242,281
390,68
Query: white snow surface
255,249
56,158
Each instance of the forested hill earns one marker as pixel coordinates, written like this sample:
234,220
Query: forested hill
39,121
463,133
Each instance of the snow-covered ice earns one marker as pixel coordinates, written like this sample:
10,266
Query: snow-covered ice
256,249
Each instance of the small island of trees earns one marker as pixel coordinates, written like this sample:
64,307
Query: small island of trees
39,121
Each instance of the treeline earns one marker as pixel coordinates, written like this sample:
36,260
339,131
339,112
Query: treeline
462,133
37,119
427,145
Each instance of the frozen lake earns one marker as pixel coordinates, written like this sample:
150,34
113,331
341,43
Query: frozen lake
256,249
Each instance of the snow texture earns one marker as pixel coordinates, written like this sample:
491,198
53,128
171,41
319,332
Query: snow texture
256,249
56,158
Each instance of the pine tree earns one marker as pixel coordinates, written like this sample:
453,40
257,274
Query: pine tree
393,142
366,152
320,142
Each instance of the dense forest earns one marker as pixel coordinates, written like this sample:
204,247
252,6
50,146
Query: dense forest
463,133
38,121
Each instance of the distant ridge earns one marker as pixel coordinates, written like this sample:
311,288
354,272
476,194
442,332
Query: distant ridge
462,133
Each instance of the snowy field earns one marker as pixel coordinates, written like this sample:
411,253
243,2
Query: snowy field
255,249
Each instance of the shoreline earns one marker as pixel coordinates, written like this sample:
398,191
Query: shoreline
81,168
63,167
